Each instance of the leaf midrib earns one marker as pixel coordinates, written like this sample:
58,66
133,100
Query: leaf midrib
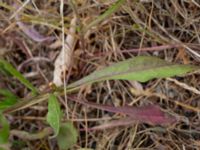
110,76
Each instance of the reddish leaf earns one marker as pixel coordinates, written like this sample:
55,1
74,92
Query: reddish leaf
33,34
146,114
150,114
30,31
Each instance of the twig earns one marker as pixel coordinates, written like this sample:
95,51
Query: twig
185,86
32,136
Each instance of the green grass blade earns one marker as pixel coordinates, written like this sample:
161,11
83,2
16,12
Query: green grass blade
4,130
105,15
7,99
142,68
25,103
9,68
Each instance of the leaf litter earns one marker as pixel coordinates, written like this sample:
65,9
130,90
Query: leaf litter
150,28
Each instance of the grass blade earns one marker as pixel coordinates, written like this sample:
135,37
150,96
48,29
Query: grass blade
7,99
9,68
4,130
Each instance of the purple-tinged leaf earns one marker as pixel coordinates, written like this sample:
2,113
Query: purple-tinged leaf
31,32
146,114
149,114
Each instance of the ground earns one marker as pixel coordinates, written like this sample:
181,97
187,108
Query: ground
168,30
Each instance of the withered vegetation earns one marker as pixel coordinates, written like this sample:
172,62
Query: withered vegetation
167,29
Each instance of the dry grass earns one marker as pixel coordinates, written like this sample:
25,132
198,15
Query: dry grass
135,25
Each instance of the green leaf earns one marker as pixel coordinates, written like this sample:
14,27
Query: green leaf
9,68
54,114
105,15
4,129
8,99
7,93
67,136
6,103
142,68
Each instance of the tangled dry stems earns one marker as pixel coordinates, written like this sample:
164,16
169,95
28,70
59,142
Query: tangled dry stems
137,24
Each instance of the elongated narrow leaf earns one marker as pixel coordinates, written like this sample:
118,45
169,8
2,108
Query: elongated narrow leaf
67,136
54,114
4,129
27,103
142,68
9,68
146,114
